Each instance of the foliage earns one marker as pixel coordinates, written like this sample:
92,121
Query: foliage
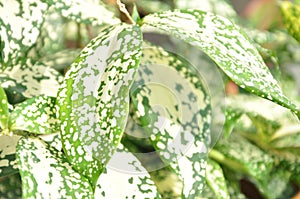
91,109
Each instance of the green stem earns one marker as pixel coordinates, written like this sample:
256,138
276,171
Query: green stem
219,157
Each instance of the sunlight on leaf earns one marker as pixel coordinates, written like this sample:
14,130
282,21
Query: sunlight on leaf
20,27
179,130
35,115
226,44
94,98
46,173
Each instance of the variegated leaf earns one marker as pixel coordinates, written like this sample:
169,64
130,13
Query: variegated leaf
8,164
179,129
238,153
215,180
226,44
219,7
3,110
28,80
132,182
46,173
291,15
53,140
287,137
35,115
94,98
86,11
20,27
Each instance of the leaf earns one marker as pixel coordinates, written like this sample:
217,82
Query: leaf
10,187
3,110
53,140
291,14
36,115
20,27
226,44
132,182
239,154
86,11
27,80
8,164
288,136
46,173
215,180
93,100
180,129
219,7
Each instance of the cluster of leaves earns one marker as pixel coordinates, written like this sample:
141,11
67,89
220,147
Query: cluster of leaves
64,112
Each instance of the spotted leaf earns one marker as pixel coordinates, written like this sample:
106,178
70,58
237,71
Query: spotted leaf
226,44
238,153
86,11
20,27
46,173
27,80
219,7
3,110
8,164
93,100
125,172
35,115
216,181
178,123
291,14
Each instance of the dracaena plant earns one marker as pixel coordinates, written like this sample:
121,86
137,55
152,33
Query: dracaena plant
85,122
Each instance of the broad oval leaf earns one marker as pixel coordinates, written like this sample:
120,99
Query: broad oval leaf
179,130
94,98
46,173
3,110
20,27
226,44
8,163
35,115
29,79
132,182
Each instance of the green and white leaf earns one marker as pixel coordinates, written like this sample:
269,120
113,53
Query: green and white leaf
179,128
219,7
239,154
20,27
291,14
215,180
286,137
35,115
46,173
8,163
53,140
274,114
127,174
52,37
93,100
86,12
4,112
28,80
226,44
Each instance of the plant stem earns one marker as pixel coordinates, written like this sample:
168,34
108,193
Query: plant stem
123,9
